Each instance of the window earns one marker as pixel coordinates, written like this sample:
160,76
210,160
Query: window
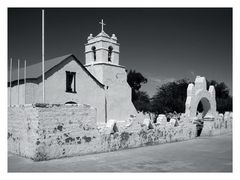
71,82
110,53
94,53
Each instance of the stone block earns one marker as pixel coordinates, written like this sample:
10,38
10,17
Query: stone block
226,116
148,123
112,126
161,120
208,128
173,122
231,115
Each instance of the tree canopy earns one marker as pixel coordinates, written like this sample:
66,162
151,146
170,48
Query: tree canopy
223,97
170,97
142,103
140,99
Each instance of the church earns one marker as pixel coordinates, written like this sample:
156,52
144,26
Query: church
101,82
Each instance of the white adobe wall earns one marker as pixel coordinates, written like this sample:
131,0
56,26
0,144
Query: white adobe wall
30,93
88,91
15,94
96,71
45,132
22,127
119,93
197,93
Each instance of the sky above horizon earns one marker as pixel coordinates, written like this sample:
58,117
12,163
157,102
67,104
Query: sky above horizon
164,44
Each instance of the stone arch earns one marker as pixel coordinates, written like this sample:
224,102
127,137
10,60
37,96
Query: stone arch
205,106
206,102
197,93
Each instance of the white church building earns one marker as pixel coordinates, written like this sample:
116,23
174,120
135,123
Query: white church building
100,83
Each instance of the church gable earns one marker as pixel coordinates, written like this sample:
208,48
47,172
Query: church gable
75,67
34,74
73,83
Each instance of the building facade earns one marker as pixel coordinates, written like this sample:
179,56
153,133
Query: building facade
101,82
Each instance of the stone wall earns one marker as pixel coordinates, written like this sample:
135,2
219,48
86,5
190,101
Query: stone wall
43,132
118,92
40,131
221,125
22,130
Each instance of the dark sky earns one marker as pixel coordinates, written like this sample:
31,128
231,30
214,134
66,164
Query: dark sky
163,44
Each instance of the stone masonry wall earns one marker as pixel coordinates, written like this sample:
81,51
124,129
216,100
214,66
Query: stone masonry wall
40,131
221,125
43,132
22,130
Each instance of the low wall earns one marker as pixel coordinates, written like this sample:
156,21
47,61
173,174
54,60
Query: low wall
38,131
22,130
217,127
43,132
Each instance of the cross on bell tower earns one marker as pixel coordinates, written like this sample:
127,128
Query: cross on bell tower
102,24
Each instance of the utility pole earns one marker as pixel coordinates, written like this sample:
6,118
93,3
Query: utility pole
10,92
43,71
25,72
18,78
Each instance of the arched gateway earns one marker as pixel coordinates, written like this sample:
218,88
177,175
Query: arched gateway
197,93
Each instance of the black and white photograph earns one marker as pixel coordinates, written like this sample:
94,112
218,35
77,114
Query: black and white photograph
119,89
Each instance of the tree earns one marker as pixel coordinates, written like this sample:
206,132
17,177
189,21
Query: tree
222,91
135,81
142,103
223,97
170,97
140,99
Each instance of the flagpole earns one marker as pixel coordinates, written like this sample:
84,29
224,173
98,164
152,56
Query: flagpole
10,93
18,79
43,74
25,72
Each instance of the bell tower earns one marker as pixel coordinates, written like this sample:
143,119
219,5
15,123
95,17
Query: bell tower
102,57
102,61
102,49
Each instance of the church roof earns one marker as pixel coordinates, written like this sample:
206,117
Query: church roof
35,71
